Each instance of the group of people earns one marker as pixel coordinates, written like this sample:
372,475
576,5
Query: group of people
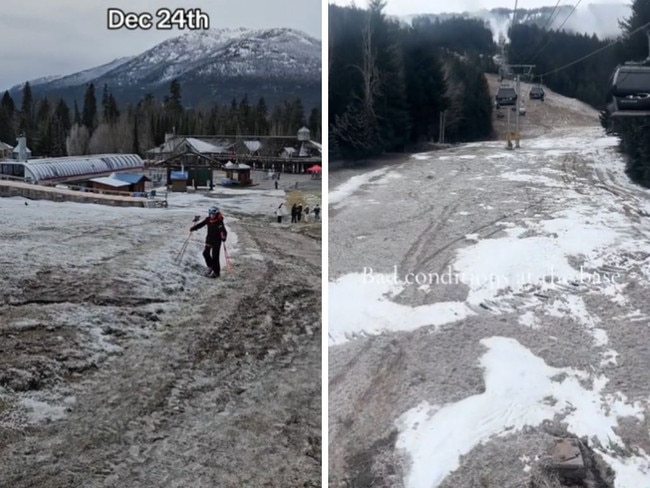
297,212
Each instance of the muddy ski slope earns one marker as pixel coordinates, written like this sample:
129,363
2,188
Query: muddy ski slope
120,367
483,302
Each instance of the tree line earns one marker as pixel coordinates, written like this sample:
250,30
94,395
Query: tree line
587,81
590,79
389,84
54,129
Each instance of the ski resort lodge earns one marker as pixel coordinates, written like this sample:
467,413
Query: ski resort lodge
237,155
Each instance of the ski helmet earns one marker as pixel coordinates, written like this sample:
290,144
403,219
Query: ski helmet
213,211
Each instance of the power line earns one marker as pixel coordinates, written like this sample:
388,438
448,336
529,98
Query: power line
558,29
596,51
549,20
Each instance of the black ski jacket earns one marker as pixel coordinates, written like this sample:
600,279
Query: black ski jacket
217,232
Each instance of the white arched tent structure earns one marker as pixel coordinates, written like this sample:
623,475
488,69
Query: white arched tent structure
80,167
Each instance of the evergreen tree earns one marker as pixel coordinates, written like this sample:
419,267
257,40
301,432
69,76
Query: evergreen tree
26,124
245,115
425,83
390,102
89,115
62,114
8,104
261,118
136,136
7,134
110,111
77,116
173,101
105,104
315,124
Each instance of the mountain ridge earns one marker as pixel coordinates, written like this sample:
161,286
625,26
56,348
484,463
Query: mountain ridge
600,19
216,65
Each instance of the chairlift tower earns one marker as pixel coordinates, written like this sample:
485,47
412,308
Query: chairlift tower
527,69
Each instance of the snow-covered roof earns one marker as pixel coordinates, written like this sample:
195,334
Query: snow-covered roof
110,181
289,150
204,147
4,146
231,165
253,145
316,145
27,150
81,166
177,144
178,175
130,178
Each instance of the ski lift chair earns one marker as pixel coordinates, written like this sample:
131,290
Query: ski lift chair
630,90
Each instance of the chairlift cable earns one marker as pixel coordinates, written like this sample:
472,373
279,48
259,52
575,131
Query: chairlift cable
549,22
596,51
558,30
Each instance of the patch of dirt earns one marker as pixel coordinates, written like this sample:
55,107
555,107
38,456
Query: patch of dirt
171,378
419,223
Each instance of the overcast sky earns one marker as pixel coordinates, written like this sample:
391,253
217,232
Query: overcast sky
407,7
56,37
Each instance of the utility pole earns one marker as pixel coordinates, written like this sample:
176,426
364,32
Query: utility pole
508,131
517,112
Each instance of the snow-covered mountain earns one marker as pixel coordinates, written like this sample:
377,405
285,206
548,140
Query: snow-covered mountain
213,65
599,19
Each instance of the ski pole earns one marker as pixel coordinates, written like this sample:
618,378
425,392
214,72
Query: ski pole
229,265
180,254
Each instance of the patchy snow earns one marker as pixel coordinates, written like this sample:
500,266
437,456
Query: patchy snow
39,411
516,386
552,248
528,178
358,305
425,156
528,319
493,265
341,193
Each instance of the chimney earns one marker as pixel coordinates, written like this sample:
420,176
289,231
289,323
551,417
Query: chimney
22,149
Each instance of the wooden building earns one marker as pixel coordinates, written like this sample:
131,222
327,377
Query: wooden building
122,182
178,181
238,174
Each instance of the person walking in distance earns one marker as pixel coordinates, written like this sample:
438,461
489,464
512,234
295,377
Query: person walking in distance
317,212
299,212
294,213
279,212
217,234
